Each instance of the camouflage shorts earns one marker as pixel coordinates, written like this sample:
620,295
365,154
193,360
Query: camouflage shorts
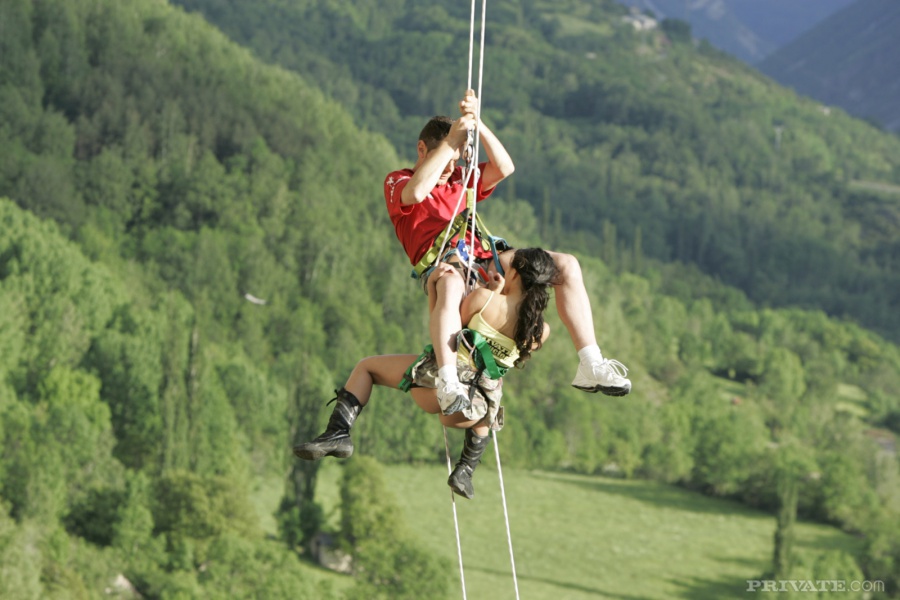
486,393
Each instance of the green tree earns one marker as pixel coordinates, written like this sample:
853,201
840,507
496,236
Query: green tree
387,561
20,568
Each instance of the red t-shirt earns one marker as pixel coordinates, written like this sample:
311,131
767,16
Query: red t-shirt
417,225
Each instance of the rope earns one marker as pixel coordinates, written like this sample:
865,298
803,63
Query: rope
477,141
512,559
471,44
474,158
471,169
462,576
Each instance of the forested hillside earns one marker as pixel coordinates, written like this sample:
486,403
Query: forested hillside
156,178
623,140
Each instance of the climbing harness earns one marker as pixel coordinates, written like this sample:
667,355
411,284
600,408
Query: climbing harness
481,353
458,228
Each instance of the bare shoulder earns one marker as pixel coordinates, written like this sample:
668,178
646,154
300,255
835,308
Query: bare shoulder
474,302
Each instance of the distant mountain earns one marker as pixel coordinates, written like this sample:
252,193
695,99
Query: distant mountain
849,60
782,21
747,29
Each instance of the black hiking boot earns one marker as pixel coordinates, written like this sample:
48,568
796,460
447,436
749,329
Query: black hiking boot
336,439
460,480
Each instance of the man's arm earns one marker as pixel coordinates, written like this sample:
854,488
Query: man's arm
500,164
433,163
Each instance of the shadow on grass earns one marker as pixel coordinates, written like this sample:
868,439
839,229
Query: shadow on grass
701,588
752,565
563,585
834,539
659,494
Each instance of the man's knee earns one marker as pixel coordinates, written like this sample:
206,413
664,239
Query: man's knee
450,284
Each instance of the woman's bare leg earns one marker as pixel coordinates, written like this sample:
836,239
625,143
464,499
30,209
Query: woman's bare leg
385,370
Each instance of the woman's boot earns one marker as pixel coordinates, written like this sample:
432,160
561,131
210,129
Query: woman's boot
336,439
461,478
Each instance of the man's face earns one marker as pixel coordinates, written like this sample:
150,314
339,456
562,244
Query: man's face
448,168
505,259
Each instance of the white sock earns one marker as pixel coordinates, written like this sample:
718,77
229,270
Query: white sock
590,354
448,374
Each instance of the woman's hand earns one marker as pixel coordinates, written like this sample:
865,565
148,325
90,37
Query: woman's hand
496,282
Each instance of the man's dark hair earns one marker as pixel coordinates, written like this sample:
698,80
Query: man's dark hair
435,130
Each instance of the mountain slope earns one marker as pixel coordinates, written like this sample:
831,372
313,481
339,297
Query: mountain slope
849,60
624,140
782,21
715,21
747,29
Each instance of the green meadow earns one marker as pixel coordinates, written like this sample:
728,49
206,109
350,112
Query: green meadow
576,537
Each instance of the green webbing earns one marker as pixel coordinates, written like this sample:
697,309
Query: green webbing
407,380
482,355
458,228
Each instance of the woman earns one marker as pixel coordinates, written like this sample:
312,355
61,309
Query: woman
508,315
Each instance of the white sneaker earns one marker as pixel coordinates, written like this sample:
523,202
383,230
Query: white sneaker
452,397
606,375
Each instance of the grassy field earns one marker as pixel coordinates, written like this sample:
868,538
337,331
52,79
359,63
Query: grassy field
578,537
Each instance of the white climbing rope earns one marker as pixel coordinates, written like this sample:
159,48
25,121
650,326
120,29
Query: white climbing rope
471,170
462,575
476,143
512,558
472,150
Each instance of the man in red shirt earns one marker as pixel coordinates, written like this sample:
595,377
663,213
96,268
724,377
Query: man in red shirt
423,200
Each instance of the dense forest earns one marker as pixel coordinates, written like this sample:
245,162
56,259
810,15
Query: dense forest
155,176
624,139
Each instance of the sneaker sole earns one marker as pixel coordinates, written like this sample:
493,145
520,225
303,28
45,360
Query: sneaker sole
609,391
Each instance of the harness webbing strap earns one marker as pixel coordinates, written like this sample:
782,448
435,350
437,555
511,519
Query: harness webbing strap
407,381
489,243
431,257
481,353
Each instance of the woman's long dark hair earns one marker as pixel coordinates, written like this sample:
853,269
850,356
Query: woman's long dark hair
538,272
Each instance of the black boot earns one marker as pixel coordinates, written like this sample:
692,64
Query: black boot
461,478
336,439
